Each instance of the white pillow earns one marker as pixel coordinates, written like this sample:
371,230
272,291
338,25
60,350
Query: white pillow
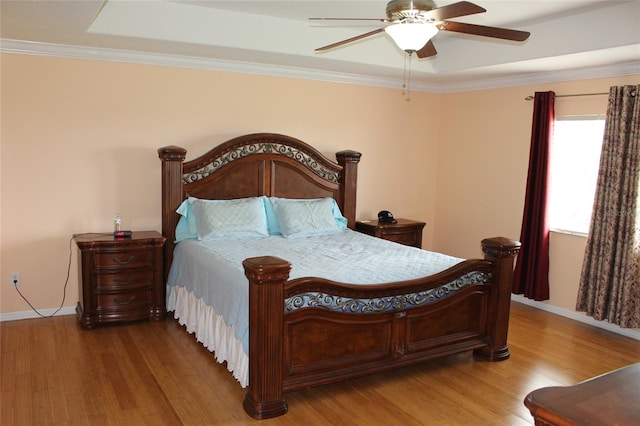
303,218
220,219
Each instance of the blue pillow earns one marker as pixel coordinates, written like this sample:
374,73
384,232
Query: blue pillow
186,228
272,219
220,219
307,217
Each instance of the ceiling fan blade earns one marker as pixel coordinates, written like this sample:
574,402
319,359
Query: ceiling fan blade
349,40
481,30
428,50
462,8
349,19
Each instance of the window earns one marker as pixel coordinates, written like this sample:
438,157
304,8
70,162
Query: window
574,163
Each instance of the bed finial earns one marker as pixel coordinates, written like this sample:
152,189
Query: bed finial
172,159
349,184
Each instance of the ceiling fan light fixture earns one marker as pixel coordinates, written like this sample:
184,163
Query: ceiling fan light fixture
411,36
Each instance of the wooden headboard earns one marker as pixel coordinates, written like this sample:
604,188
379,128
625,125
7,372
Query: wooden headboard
253,165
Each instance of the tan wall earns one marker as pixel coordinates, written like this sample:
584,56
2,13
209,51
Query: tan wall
487,134
79,141
79,138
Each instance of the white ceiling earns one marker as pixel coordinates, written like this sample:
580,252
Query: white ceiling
570,39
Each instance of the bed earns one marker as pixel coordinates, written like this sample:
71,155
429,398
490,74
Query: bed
305,330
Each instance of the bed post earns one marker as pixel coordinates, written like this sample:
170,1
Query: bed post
349,184
267,276
502,252
172,159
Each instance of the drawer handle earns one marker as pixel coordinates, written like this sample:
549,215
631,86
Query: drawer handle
131,299
122,281
123,262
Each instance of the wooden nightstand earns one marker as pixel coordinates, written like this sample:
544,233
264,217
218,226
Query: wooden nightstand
120,279
407,232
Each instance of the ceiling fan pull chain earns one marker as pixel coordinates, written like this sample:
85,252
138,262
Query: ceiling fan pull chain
404,76
408,75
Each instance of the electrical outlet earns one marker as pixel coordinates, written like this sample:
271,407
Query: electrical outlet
15,278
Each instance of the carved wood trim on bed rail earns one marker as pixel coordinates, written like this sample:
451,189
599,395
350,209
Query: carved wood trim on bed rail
477,270
336,299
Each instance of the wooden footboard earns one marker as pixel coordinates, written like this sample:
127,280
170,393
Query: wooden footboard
308,332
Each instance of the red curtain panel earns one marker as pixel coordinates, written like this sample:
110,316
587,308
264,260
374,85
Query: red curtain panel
532,266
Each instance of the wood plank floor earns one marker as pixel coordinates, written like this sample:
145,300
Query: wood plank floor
156,374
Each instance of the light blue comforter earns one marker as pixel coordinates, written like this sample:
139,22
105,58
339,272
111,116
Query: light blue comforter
213,271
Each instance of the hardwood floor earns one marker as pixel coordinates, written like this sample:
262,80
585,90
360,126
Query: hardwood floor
156,374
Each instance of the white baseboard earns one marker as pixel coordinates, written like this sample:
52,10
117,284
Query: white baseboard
13,316
633,333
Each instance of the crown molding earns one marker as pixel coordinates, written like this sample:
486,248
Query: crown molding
584,73
146,58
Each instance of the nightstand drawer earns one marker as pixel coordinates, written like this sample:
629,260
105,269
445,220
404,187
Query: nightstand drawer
404,231
124,259
124,281
408,239
124,301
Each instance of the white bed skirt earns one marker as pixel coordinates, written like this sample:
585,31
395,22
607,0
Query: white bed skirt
210,330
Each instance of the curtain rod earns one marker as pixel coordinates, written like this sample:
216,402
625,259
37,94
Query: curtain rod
530,98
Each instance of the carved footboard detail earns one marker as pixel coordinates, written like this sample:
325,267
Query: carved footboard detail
308,332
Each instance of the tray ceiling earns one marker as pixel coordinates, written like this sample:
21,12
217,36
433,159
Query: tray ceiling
569,38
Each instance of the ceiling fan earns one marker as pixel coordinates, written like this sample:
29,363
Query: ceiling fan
412,24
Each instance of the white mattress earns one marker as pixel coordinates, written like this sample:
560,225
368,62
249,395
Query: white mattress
208,291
